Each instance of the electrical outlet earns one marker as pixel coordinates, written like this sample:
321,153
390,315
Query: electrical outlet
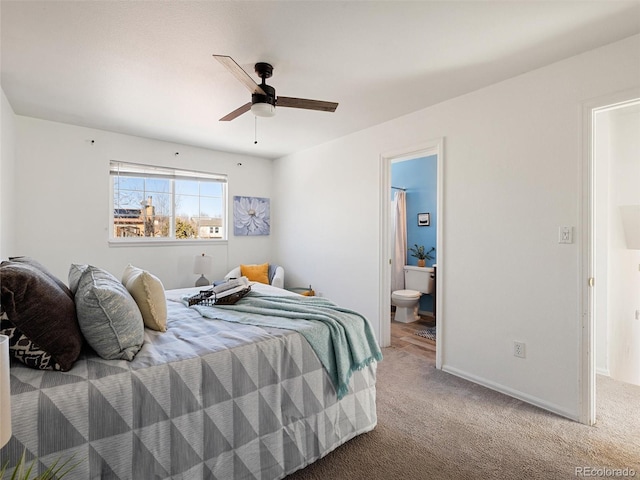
519,349
565,235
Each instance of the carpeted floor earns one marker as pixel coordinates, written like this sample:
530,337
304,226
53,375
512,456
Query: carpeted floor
433,425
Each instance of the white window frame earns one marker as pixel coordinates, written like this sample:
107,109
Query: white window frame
117,168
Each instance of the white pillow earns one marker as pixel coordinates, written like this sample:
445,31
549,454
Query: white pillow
148,292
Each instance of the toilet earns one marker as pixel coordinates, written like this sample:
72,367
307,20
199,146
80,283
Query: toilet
417,281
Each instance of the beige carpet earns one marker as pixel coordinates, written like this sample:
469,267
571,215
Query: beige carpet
434,425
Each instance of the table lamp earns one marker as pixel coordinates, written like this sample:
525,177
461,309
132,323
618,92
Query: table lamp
203,264
5,392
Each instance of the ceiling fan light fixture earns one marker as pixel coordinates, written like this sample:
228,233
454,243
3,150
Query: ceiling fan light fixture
263,110
263,96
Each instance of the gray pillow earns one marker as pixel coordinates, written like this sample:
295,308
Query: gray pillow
75,272
108,315
272,272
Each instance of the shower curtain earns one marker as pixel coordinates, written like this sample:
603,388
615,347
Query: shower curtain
399,254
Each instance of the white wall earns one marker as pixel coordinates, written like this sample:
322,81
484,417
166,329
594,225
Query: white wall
623,263
512,176
7,167
62,201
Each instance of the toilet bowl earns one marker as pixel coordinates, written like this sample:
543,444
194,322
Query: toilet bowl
418,281
406,302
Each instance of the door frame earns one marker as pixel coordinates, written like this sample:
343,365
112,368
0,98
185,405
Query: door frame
432,147
587,272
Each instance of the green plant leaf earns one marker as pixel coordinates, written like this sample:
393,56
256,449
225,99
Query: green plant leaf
55,470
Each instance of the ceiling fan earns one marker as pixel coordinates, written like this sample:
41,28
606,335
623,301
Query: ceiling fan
263,97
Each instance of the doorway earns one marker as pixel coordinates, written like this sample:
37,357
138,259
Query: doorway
611,176
434,147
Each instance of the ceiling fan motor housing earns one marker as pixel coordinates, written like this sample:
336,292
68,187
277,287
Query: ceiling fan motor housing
270,96
264,70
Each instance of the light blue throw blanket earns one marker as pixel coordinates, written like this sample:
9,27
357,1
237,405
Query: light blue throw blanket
342,338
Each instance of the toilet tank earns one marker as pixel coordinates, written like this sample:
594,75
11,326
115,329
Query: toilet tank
421,279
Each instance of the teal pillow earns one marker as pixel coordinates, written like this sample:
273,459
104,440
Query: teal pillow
108,315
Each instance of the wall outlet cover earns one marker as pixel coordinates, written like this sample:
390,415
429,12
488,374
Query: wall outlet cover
565,234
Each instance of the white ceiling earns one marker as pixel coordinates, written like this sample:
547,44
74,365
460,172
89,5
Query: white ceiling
145,67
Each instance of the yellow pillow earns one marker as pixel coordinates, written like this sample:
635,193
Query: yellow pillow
256,273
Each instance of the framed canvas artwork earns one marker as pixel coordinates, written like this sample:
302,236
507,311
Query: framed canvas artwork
424,219
251,216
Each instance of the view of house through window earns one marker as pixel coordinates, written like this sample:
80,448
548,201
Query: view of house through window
162,203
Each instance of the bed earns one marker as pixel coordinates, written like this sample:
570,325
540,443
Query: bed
206,398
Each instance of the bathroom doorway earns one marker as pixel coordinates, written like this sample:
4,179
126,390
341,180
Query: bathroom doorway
611,253
423,229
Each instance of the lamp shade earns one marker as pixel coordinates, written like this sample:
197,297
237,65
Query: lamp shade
203,264
5,392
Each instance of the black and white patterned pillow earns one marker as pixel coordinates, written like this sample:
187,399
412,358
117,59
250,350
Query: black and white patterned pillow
23,349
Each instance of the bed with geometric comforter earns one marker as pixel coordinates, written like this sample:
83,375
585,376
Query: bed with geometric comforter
206,399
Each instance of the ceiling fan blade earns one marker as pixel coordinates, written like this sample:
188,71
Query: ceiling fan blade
306,104
237,112
237,71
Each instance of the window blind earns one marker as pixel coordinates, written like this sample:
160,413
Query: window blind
138,170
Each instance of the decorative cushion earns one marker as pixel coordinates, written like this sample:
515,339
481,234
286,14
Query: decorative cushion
108,315
43,317
34,263
148,292
256,273
272,272
75,272
23,349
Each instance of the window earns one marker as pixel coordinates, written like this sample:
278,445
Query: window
167,204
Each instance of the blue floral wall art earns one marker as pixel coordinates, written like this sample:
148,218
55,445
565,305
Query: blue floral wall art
251,216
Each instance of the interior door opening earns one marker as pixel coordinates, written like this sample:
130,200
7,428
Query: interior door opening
611,259
431,149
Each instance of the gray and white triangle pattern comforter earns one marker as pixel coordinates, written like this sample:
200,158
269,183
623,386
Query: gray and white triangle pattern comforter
207,399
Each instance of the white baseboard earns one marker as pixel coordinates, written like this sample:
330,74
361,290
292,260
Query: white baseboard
603,371
424,313
525,397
